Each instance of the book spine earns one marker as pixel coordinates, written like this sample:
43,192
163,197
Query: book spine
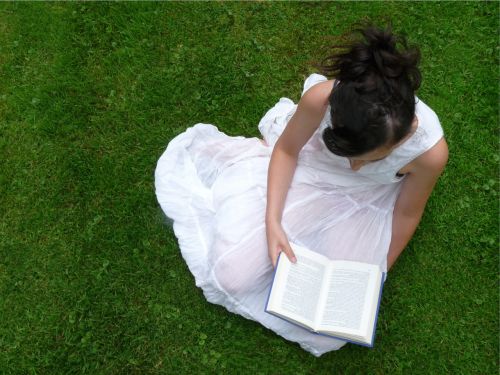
272,281
378,307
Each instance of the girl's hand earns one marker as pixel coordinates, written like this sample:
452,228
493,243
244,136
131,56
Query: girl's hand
277,241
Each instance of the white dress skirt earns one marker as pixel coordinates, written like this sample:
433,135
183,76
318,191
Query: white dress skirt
213,187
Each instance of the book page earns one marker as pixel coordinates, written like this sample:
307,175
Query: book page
302,288
296,286
347,298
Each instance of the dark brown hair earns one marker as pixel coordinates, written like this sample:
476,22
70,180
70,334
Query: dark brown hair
373,101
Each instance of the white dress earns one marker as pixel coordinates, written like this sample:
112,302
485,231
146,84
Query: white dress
213,187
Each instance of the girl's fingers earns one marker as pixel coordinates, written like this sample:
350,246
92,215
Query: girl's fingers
289,252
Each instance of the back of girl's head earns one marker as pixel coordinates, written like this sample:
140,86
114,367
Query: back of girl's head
373,102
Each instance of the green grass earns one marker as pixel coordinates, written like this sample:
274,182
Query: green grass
91,277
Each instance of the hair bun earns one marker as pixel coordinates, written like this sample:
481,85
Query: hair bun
389,61
374,58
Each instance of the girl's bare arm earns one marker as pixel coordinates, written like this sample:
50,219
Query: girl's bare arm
417,187
306,119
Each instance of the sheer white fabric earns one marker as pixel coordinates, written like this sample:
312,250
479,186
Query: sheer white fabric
213,187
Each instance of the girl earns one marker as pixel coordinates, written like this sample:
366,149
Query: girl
346,172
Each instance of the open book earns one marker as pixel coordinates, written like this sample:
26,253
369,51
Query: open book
335,298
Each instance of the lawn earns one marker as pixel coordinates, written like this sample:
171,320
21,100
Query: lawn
91,277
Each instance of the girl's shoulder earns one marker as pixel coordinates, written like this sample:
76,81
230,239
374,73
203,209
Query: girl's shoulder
320,92
431,161
325,91
428,148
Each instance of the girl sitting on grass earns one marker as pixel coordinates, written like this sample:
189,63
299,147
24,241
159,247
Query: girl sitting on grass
346,172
